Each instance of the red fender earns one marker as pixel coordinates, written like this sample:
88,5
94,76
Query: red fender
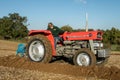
46,33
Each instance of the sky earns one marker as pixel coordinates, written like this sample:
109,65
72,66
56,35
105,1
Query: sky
102,14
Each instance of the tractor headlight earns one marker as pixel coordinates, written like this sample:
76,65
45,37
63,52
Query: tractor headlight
98,44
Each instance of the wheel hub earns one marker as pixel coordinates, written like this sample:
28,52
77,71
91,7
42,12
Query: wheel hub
36,51
83,59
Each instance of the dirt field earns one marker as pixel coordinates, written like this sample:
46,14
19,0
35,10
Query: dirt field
15,68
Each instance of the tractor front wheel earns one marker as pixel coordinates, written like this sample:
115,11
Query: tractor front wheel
84,57
39,49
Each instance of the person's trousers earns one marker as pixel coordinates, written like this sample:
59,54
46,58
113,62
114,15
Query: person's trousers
56,39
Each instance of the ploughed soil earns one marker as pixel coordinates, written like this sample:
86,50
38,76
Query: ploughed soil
16,68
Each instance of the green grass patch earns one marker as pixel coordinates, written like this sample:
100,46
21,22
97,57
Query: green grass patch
115,47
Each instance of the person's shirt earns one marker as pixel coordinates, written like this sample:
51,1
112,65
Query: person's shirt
55,31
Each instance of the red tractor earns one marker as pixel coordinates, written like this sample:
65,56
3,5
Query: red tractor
83,48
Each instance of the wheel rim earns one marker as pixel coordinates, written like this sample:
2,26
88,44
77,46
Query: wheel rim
36,51
83,59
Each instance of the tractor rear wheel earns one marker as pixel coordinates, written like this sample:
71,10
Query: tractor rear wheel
84,57
39,49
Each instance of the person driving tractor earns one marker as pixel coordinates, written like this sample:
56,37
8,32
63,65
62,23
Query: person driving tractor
55,32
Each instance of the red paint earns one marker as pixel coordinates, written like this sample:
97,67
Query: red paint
71,36
90,35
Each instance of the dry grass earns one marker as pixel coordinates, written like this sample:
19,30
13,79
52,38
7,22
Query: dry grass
20,74
8,47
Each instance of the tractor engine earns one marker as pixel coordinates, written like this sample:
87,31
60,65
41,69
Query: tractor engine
70,47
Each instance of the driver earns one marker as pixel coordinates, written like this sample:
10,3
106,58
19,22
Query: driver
55,32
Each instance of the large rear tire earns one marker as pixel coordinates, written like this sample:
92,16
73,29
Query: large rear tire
39,49
84,57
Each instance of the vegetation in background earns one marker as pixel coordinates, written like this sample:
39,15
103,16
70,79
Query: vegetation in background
112,38
67,28
13,26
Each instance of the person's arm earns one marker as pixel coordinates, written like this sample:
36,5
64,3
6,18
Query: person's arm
60,30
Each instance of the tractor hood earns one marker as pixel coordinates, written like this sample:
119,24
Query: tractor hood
90,35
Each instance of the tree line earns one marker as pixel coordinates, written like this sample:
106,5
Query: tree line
14,26
111,36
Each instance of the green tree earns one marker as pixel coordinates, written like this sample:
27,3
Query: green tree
106,36
13,26
112,36
67,28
